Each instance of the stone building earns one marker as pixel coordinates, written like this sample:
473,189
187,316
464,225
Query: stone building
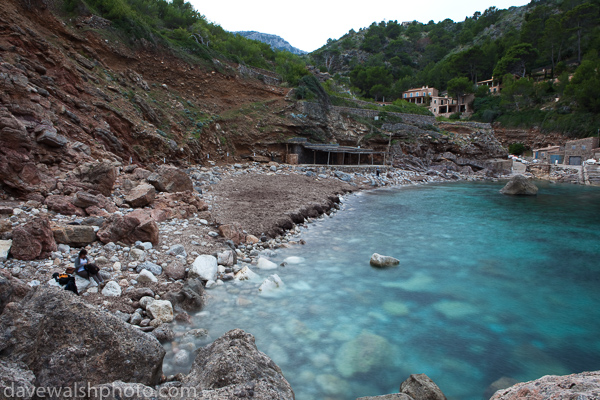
439,105
577,151
550,154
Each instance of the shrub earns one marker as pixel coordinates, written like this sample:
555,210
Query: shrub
516,148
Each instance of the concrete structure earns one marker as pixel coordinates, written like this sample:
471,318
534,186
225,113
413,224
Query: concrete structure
439,105
577,151
332,154
446,106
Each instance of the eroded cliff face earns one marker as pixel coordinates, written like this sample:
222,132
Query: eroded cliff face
71,95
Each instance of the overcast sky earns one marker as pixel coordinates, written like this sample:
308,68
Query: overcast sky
307,24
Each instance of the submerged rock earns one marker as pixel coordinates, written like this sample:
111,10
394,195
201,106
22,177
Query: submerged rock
361,354
519,185
377,260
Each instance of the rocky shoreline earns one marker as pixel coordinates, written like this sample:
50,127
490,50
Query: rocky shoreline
161,238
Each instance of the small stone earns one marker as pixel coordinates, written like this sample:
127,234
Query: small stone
146,276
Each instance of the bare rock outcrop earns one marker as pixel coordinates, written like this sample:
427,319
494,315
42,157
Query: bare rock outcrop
95,177
519,185
65,341
33,240
233,367
421,387
170,179
585,385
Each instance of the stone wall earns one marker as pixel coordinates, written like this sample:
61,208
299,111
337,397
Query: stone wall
584,148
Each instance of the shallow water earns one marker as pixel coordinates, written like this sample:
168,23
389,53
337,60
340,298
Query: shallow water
488,286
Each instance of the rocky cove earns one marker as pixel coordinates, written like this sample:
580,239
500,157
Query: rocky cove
142,158
162,258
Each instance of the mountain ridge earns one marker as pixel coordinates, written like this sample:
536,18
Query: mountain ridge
276,42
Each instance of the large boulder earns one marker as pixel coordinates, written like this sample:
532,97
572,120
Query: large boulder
421,387
141,195
11,289
379,261
190,297
16,381
170,179
65,341
232,366
137,225
33,240
97,176
63,205
585,385
87,200
519,185
74,235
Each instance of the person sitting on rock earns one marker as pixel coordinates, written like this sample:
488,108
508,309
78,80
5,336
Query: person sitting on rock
85,268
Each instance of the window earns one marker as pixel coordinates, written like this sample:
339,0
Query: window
429,93
583,147
405,95
411,95
435,102
573,147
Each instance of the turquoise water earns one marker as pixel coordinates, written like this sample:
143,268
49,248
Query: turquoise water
488,286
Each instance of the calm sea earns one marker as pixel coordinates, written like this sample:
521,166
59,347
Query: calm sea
489,287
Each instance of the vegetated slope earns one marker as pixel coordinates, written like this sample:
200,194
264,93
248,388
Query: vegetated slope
276,42
72,94
544,42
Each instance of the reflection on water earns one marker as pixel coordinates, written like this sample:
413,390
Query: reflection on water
488,287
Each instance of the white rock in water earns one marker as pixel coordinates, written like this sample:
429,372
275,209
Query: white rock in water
161,310
112,289
271,286
246,274
146,276
182,358
210,284
377,260
294,260
263,263
204,267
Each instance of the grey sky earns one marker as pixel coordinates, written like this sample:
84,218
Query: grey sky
307,24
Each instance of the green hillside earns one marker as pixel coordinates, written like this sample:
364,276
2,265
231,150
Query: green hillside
537,47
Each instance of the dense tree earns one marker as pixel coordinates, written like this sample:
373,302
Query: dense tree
585,86
517,59
579,19
460,87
